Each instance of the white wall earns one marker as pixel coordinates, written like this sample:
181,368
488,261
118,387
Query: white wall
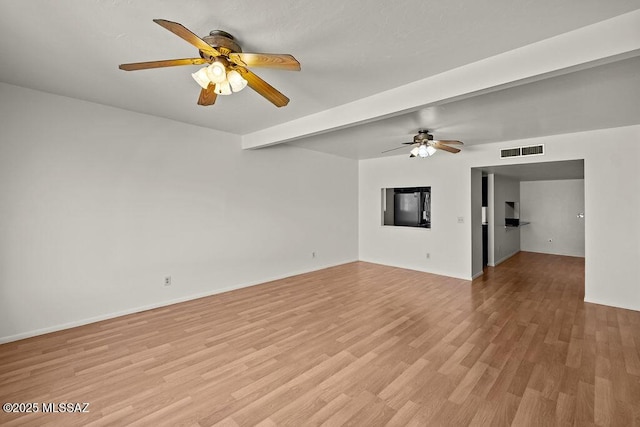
491,225
506,240
476,220
612,233
552,208
447,241
98,204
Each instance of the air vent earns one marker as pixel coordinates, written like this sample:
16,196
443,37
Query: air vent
531,150
510,152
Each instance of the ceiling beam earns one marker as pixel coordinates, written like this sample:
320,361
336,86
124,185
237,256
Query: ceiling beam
606,41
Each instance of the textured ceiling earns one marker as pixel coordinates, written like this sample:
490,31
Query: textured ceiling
348,50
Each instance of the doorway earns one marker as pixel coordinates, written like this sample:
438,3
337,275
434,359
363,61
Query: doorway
550,219
485,224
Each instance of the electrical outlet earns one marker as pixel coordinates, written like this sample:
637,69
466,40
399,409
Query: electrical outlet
167,281
460,220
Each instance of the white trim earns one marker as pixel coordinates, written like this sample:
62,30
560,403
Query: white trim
139,309
422,270
611,304
503,259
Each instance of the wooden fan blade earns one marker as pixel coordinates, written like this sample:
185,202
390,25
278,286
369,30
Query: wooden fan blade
444,147
263,88
450,142
180,31
410,143
268,60
393,149
208,96
160,64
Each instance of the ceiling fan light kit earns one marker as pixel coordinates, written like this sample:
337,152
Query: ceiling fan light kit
201,77
222,88
216,72
236,81
423,151
225,71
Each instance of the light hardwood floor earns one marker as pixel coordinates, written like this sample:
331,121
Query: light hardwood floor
358,344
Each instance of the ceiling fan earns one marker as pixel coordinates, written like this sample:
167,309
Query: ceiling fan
424,145
226,65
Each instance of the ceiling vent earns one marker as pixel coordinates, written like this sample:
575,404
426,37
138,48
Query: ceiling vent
530,150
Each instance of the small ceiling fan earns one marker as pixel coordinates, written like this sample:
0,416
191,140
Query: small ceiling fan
424,145
226,65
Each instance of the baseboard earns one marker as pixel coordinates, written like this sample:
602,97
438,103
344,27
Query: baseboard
611,304
478,274
139,309
503,259
409,267
553,253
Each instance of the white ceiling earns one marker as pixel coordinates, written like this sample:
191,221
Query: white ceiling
596,98
348,51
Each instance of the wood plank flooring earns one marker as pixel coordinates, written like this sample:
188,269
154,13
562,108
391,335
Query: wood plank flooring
358,344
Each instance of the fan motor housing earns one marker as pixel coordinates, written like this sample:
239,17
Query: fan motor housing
423,136
221,41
